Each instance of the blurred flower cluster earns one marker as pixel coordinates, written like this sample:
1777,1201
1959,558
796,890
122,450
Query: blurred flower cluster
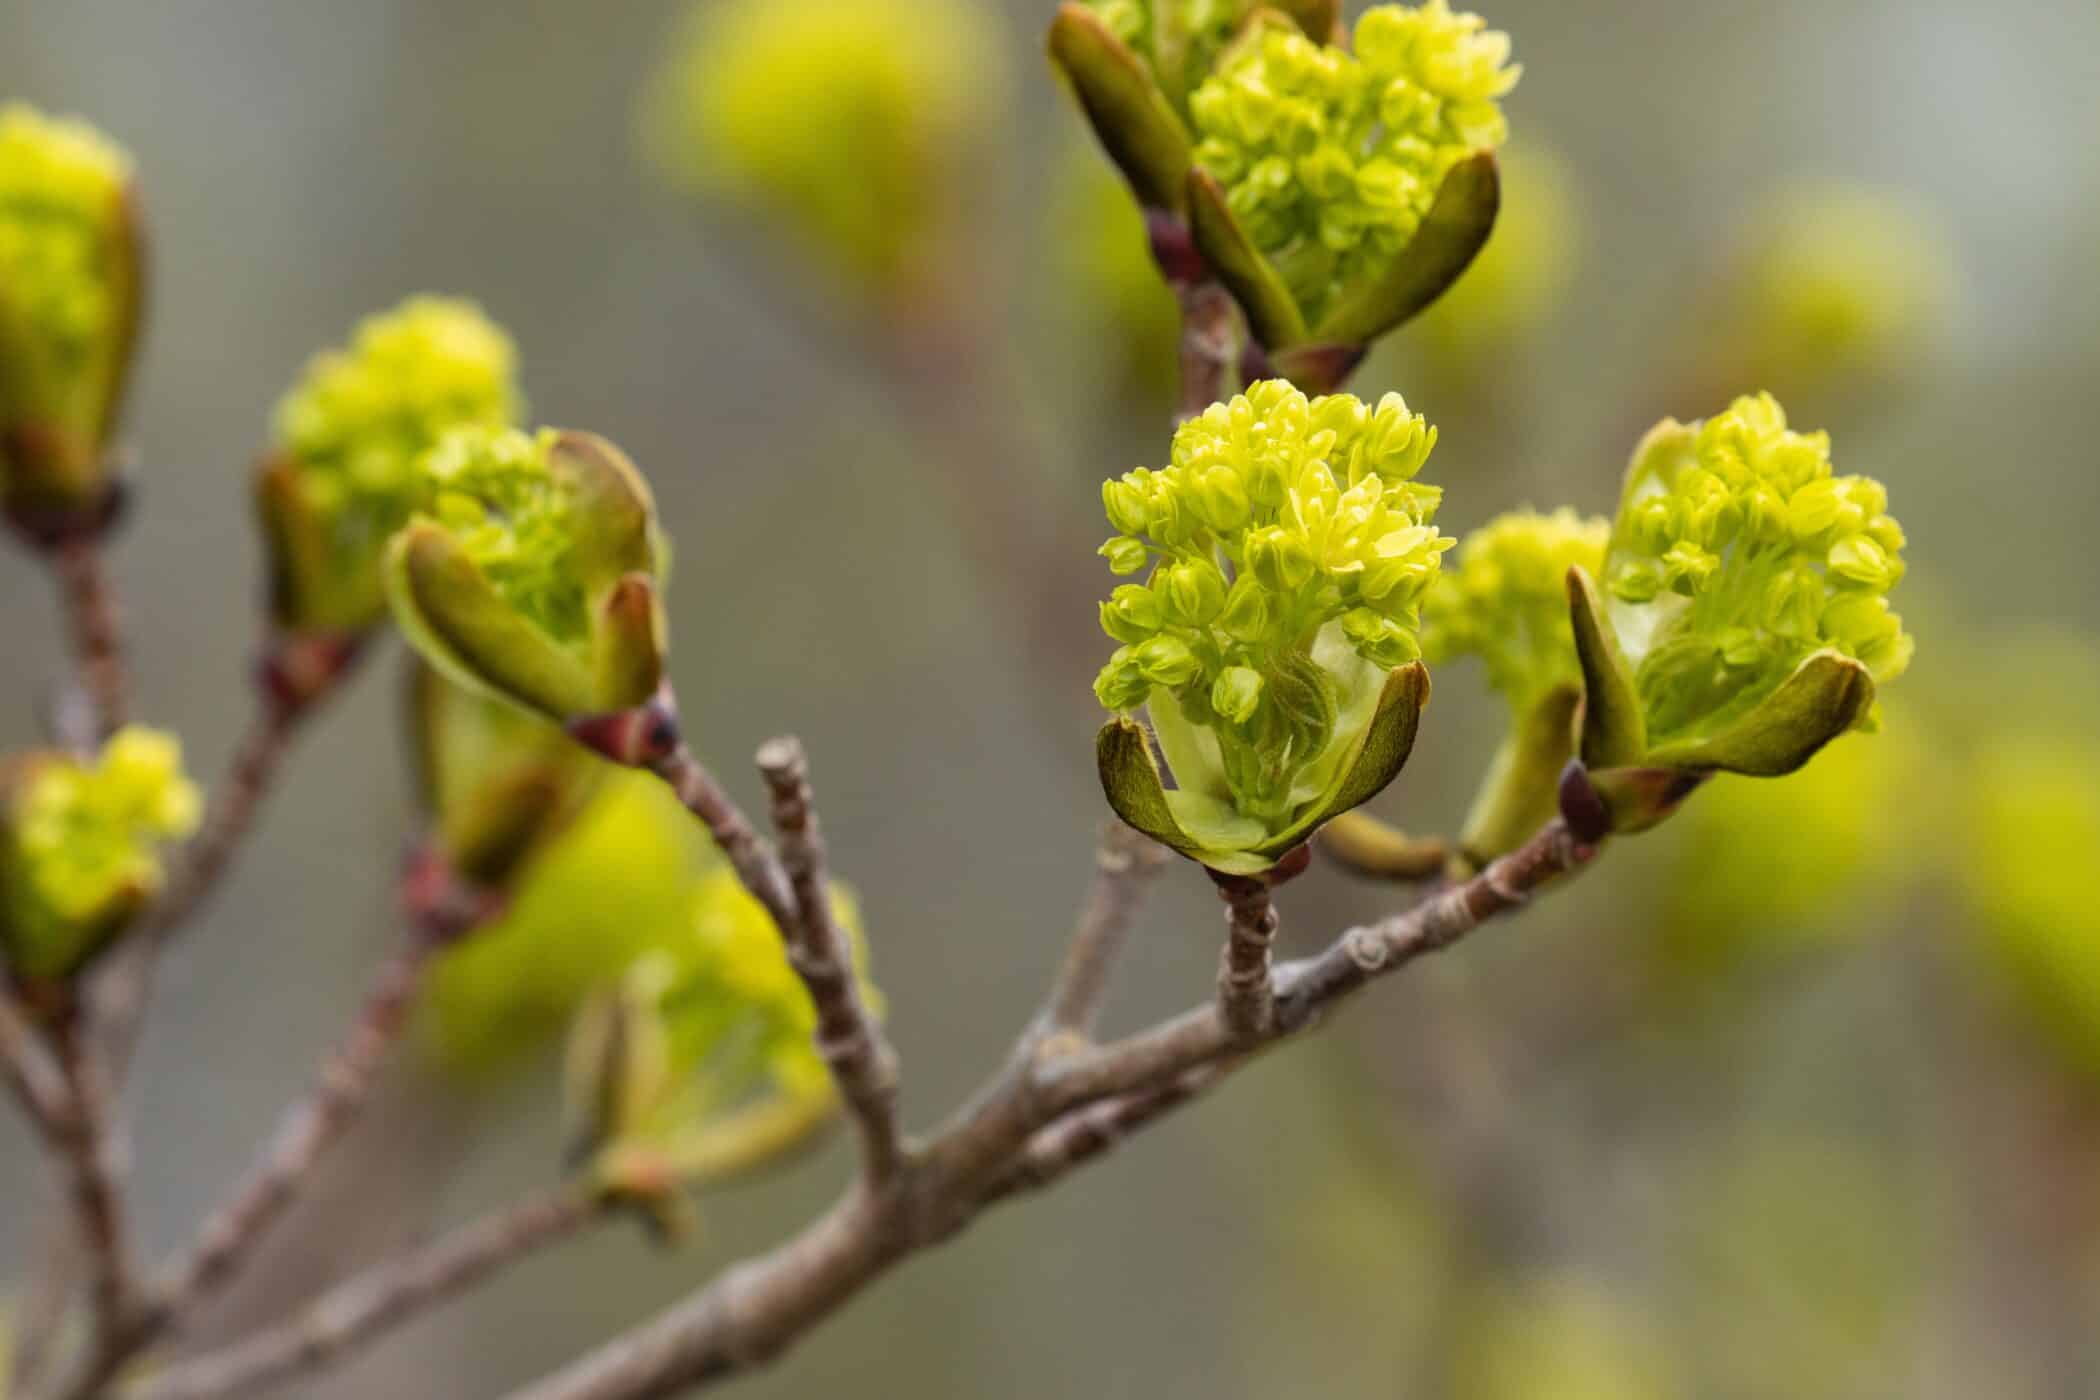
80,847
69,288
850,123
350,437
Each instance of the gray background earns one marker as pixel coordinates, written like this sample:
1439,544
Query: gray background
305,163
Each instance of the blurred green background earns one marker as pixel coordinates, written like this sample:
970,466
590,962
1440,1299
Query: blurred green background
1798,1097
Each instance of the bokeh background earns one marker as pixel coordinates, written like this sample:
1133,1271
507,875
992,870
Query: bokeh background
1799,1096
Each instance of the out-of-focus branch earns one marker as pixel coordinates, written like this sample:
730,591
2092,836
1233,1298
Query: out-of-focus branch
440,908
367,1306
303,1136
95,1178
1124,863
1046,1113
94,622
34,1078
862,1063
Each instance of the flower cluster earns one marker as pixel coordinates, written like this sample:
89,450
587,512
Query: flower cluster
1331,158
79,854
1736,555
67,280
1179,39
703,1025
499,496
1838,280
1505,600
351,434
1287,551
846,120
533,571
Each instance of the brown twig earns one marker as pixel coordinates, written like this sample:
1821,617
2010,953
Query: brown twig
94,621
862,1063
758,1307
95,1178
1090,1132
238,1226
370,1304
303,1135
33,1076
1246,998
755,863
1124,863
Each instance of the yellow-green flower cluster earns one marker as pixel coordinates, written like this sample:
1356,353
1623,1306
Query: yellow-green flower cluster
60,183
1505,600
81,846
360,417
1736,554
567,929
351,434
496,491
702,1025
1839,280
1179,39
65,274
850,121
1287,548
1331,158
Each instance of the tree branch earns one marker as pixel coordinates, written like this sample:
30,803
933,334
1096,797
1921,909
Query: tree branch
862,1063
93,620
95,1178
1246,1001
367,1306
755,863
1125,862
32,1075
1042,1117
233,1231
303,1136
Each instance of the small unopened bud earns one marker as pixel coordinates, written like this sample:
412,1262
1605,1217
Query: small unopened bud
1236,695
1195,593
1132,613
1125,555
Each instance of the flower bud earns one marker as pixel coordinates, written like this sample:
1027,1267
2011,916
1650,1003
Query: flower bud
852,126
350,436
70,276
79,847
1378,639
1124,501
535,573
1264,685
1168,661
1748,626
1194,591
1132,613
1318,165
1126,555
1236,694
